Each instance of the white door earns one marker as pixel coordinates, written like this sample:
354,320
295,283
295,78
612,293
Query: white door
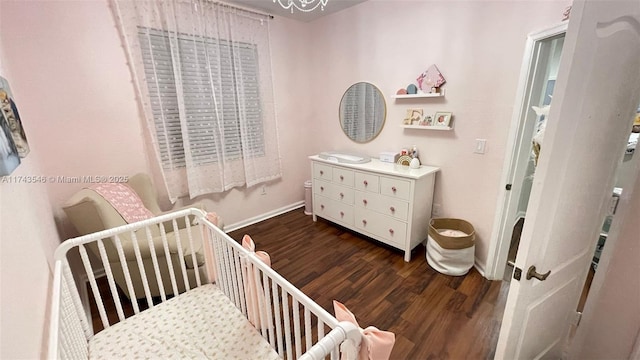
594,101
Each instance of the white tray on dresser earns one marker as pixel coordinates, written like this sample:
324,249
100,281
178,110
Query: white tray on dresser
387,202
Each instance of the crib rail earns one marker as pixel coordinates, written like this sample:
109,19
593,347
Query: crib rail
146,263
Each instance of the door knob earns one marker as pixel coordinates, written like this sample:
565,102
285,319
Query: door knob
533,273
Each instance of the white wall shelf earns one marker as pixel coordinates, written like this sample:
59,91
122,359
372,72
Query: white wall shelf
421,127
418,96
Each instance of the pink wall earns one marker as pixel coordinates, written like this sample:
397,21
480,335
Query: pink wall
72,70
477,45
28,238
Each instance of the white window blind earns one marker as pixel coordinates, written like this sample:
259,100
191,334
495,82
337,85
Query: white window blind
216,76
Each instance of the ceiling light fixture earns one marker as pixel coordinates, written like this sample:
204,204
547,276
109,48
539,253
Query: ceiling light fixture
302,5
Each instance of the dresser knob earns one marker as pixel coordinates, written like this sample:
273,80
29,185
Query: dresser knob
321,172
322,207
341,195
364,201
391,231
364,222
393,188
341,177
341,214
321,188
392,209
365,183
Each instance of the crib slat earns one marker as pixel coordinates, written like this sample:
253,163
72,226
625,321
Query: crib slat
259,297
296,326
167,255
94,285
193,251
268,306
240,284
287,325
181,259
75,297
156,267
276,306
127,274
224,262
321,325
233,276
308,335
112,283
143,273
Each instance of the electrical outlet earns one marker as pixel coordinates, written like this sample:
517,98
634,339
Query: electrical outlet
437,209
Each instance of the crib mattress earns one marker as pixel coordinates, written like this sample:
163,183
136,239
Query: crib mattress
201,323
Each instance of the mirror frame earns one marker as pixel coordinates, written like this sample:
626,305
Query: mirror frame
384,115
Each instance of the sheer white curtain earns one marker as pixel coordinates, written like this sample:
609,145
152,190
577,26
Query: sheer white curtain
203,75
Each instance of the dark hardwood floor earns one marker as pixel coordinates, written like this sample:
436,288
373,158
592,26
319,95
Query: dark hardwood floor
434,316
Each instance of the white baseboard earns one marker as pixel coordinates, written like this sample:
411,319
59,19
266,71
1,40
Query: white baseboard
480,267
262,217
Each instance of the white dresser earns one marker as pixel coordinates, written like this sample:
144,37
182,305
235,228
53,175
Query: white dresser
387,202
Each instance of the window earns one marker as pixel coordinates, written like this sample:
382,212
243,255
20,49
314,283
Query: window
214,75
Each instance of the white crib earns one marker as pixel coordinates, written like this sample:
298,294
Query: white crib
289,324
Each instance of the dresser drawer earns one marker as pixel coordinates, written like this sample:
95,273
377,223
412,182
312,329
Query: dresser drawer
393,232
367,182
396,188
396,208
343,176
332,210
333,191
321,171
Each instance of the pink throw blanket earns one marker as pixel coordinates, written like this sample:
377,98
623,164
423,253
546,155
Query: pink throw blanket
126,202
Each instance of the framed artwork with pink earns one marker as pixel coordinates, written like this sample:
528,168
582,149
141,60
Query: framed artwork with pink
442,119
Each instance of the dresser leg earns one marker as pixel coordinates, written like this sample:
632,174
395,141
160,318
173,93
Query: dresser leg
314,218
407,255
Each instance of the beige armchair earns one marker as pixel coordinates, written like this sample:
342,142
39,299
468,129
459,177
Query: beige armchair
89,212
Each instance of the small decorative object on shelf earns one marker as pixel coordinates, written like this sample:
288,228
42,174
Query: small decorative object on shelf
413,116
401,92
430,80
404,160
412,89
442,119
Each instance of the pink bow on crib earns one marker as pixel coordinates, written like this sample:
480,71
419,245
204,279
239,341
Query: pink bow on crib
213,218
254,292
376,344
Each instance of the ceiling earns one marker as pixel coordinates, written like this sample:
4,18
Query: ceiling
275,9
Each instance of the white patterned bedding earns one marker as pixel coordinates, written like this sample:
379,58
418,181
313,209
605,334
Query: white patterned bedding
201,323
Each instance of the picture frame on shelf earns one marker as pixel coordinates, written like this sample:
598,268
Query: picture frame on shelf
427,121
442,119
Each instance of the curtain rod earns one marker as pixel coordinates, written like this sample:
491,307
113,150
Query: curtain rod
239,7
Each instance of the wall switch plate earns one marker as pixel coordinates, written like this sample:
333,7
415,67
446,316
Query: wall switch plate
481,144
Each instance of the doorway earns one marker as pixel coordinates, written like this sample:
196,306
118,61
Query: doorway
537,82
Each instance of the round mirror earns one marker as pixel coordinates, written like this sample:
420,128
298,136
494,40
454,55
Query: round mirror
362,112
